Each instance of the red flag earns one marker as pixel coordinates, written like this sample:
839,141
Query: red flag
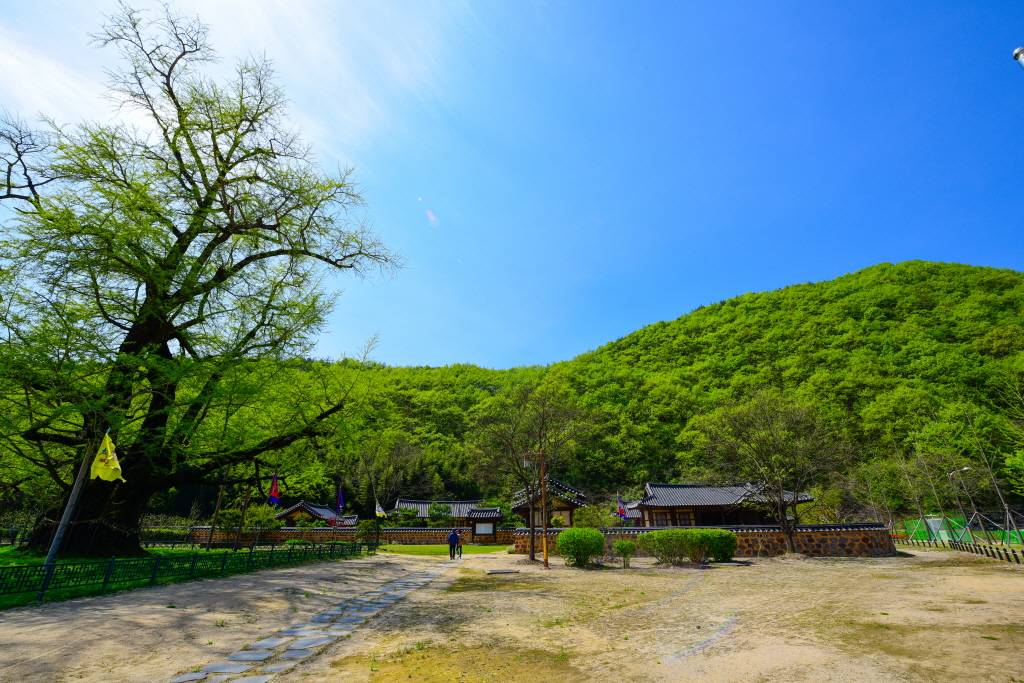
274,493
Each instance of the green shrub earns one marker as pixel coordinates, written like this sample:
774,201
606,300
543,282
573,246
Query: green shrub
556,523
669,546
296,541
579,546
626,549
723,545
367,531
511,550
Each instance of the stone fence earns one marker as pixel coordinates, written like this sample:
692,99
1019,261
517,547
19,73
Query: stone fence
396,535
836,540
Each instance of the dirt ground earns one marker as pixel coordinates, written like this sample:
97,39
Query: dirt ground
136,636
924,616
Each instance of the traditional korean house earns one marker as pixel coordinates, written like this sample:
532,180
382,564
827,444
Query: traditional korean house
563,500
460,508
704,505
484,524
320,512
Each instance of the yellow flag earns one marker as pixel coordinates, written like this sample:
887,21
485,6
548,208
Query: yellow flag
380,511
106,466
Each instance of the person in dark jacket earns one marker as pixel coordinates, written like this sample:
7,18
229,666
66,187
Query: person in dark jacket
453,543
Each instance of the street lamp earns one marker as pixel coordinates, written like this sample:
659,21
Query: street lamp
963,469
1018,55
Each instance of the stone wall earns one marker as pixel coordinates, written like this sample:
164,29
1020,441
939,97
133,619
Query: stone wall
834,540
396,535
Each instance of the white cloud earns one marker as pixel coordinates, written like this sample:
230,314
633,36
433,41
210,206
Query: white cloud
36,81
351,69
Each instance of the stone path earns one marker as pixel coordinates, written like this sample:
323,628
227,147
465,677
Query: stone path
258,663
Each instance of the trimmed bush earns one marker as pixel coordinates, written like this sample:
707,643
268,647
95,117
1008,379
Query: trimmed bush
723,545
626,549
579,546
670,546
296,541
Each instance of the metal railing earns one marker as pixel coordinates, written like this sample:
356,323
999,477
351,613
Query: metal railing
993,551
150,570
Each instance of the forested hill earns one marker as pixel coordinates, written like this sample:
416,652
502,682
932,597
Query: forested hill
887,349
900,355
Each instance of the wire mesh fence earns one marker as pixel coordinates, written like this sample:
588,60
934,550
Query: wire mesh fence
150,570
993,551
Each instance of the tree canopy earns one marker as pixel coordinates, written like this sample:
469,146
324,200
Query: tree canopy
163,276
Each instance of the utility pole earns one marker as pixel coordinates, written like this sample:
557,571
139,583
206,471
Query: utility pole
65,519
544,506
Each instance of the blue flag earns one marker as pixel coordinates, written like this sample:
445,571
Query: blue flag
341,502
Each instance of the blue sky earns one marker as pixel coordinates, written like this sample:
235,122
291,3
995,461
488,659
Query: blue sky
593,167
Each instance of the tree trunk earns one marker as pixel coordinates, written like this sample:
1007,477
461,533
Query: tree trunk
105,523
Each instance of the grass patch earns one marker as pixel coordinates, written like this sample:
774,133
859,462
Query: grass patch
451,662
10,555
493,582
440,549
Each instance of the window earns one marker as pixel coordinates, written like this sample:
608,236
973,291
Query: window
484,529
660,518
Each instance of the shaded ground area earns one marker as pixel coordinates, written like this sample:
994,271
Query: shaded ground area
926,616
138,635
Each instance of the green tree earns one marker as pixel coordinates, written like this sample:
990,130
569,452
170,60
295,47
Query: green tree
778,445
527,418
440,515
157,278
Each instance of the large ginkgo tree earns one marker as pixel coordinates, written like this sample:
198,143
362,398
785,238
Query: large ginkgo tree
162,278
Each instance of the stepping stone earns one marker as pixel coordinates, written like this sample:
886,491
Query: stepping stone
269,643
300,632
296,654
502,571
278,668
364,614
321,618
226,668
250,655
350,620
253,679
334,612
341,627
307,624
218,679
194,676
303,643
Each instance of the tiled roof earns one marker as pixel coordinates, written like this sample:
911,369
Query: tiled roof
557,489
702,495
632,511
484,513
319,511
460,508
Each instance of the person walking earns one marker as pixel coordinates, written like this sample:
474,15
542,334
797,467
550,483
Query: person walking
458,549
453,543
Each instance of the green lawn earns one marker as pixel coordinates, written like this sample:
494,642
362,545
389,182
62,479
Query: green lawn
9,555
440,549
